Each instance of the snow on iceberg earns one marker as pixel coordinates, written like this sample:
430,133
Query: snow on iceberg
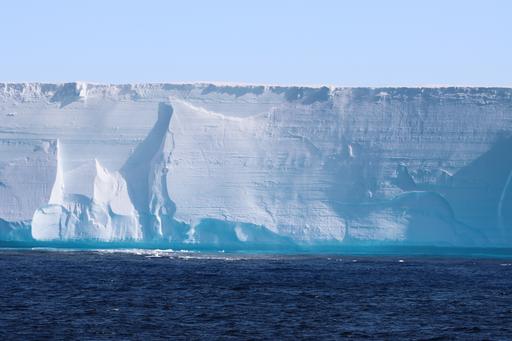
247,166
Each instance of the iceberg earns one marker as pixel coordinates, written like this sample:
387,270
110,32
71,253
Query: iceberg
255,166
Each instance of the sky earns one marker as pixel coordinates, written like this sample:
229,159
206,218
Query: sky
317,42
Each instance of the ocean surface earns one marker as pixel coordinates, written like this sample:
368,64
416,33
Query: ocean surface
144,295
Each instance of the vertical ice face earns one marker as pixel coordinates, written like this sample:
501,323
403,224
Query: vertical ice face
91,202
27,170
94,208
250,170
107,214
146,171
57,193
255,164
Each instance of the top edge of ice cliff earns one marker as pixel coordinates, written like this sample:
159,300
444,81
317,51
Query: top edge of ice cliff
230,84
69,92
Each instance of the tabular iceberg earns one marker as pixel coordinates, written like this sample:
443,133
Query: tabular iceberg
203,164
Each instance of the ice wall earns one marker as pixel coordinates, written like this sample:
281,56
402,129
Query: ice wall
255,165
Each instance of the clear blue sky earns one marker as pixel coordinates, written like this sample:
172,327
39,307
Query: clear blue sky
358,42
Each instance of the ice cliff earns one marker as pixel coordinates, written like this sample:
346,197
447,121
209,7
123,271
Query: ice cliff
203,164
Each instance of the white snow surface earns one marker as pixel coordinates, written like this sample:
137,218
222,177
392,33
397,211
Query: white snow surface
255,165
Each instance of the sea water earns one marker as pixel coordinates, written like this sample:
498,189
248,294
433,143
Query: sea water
164,294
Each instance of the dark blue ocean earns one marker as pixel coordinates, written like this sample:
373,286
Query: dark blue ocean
153,295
